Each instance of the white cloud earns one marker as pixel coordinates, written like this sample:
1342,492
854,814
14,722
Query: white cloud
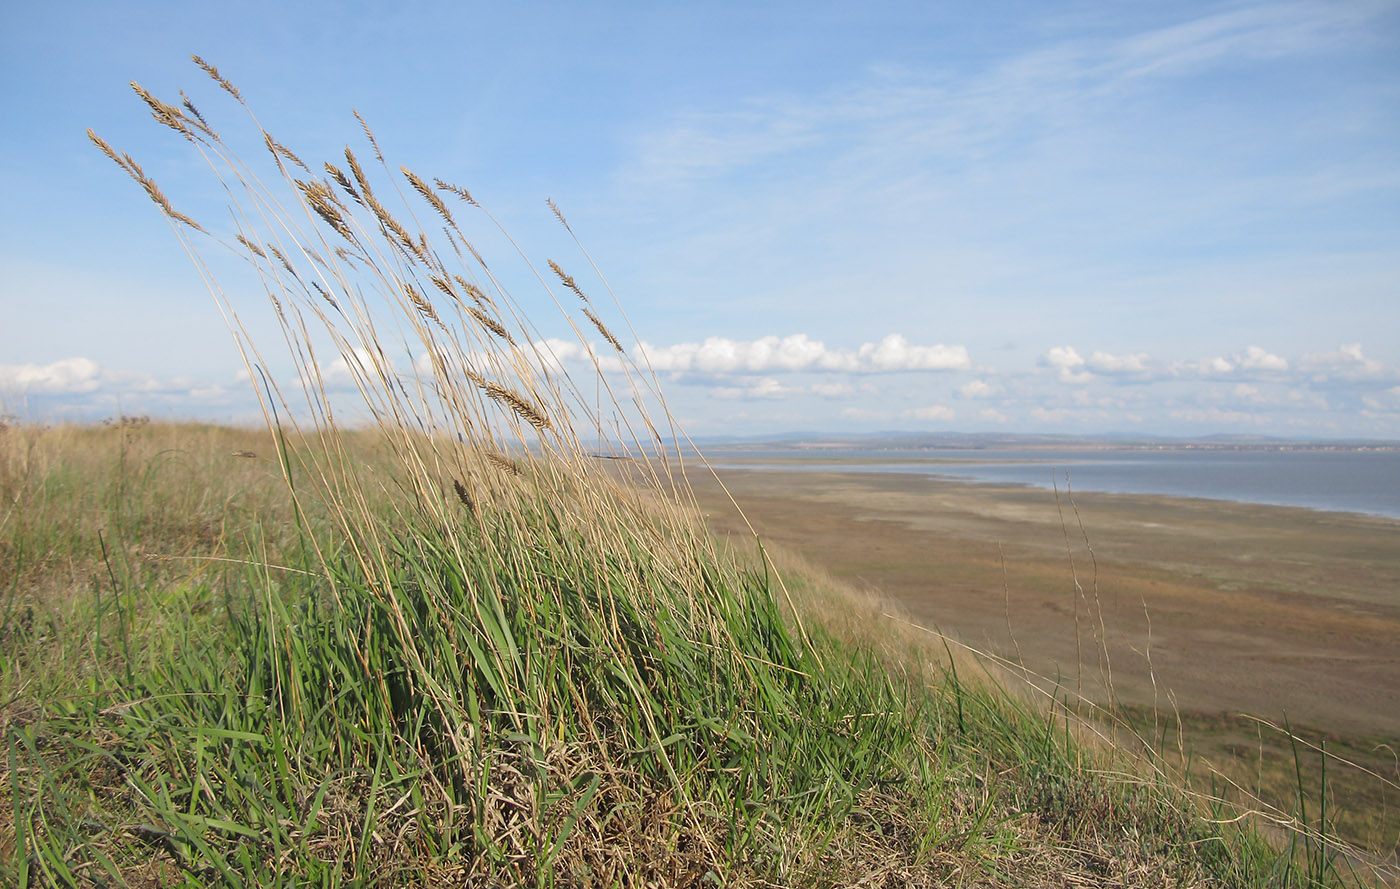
834,390
936,412
1348,362
1068,361
895,353
80,387
992,415
979,389
762,388
1104,363
68,376
1255,358
342,371
720,355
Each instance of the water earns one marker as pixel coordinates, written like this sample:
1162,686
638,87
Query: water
1347,481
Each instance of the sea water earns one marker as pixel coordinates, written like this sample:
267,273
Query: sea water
1363,481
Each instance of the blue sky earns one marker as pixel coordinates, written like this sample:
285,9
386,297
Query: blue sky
1161,218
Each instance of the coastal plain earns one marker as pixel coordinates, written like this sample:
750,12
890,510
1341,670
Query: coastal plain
1192,619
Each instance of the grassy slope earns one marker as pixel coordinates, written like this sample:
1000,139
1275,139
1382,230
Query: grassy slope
170,717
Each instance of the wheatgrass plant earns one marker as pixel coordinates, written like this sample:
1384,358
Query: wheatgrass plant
489,656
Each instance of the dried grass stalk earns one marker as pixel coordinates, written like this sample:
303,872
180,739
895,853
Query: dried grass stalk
568,281
458,190
490,324
428,195
219,78
603,329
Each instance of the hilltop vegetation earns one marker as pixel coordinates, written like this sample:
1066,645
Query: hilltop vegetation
195,696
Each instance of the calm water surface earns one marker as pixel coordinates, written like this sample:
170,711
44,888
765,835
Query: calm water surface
1347,481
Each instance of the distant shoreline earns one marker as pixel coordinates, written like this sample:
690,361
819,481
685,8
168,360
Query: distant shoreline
1353,491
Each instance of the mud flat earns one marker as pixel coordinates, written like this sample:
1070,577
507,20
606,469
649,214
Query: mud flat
1187,612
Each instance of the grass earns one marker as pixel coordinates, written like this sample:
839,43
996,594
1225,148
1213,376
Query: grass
457,647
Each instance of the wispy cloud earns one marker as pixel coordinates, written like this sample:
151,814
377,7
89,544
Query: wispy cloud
902,112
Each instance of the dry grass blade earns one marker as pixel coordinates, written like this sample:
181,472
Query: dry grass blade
490,324
475,292
428,194
401,235
286,263
458,190
369,134
554,208
197,119
344,182
503,462
521,405
108,150
168,115
326,296
420,302
603,329
568,281
134,170
445,286
323,201
280,151
219,78
358,172
252,248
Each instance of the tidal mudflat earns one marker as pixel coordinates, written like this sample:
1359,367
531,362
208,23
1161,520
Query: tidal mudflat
1202,615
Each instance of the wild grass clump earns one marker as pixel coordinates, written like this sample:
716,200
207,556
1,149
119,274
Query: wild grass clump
464,647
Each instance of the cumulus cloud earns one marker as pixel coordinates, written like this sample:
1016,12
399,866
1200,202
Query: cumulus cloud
1348,362
68,376
1069,363
80,386
770,354
979,389
762,388
895,353
1255,358
1105,363
992,415
342,371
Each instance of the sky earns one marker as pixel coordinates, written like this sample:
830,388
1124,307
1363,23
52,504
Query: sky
1044,217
